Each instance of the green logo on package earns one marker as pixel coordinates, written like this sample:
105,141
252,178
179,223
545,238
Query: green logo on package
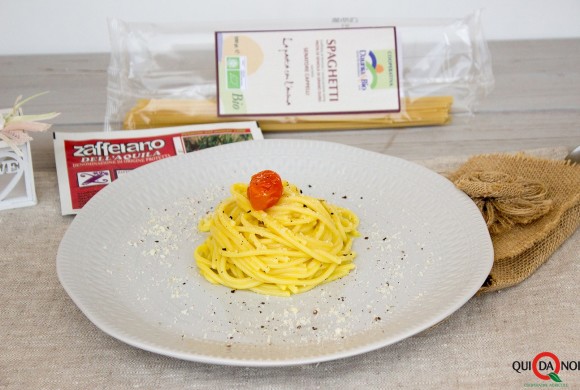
234,79
234,73
382,68
233,63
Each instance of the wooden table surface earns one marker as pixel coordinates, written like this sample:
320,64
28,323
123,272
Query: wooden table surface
46,342
535,103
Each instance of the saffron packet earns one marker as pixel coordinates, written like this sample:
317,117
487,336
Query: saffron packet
89,161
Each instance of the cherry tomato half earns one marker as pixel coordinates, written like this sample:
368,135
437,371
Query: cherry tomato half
265,189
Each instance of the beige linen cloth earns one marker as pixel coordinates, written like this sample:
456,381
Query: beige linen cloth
47,343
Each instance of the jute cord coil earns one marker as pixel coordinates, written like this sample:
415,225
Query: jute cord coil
505,200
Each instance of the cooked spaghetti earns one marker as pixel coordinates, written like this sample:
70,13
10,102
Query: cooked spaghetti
288,248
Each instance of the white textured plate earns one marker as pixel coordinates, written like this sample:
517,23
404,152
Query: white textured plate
127,261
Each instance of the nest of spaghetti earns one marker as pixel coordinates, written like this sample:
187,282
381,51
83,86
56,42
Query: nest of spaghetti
291,247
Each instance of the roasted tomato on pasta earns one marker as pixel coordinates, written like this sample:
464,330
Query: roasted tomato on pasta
265,189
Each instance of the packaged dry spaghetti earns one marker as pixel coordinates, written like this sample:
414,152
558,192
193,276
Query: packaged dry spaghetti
310,75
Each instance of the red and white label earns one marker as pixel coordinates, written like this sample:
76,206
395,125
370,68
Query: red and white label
88,162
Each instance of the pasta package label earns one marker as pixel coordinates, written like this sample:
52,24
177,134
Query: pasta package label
87,162
302,72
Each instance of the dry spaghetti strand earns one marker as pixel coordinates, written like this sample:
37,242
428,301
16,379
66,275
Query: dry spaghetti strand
151,113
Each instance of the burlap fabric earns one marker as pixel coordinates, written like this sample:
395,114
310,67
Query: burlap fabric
532,205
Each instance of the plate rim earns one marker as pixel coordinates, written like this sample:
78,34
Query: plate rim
204,358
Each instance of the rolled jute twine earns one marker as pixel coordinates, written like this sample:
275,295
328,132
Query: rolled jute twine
531,205
505,200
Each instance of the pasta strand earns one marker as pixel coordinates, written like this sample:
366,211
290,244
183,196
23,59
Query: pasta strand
292,247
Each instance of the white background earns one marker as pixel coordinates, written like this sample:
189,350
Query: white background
80,26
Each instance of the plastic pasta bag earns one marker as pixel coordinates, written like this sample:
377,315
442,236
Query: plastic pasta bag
165,75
